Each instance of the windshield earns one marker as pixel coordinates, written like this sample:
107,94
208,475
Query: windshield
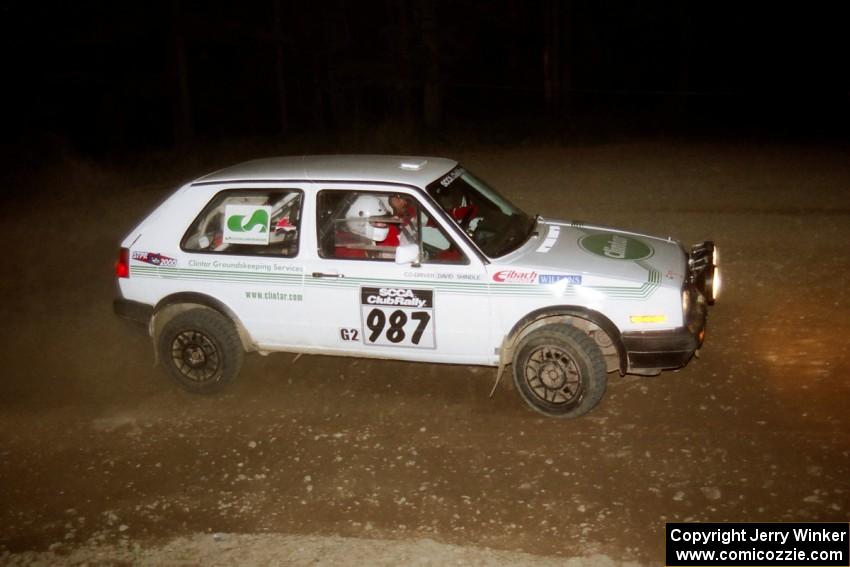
494,224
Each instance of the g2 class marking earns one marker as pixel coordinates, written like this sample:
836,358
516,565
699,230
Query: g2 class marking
349,334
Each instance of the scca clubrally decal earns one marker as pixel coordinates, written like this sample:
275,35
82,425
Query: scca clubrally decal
397,316
402,297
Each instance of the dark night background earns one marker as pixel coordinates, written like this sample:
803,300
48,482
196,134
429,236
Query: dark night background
111,78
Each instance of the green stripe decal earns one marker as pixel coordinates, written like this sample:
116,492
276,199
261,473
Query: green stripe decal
641,292
216,275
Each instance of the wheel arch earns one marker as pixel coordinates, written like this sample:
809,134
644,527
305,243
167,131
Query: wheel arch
567,314
171,305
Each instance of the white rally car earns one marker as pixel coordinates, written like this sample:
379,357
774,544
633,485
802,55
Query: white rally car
410,258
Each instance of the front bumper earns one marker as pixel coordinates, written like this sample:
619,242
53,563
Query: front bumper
667,349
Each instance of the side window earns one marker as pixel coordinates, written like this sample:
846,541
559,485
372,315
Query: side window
263,222
356,225
372,225
437,247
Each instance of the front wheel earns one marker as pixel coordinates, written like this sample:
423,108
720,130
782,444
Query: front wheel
559,371
201,350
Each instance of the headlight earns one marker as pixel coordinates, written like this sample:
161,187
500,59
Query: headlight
704,269
711,284
686,303
715,284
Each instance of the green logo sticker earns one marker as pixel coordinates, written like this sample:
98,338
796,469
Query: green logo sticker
247,224
259,218
616,247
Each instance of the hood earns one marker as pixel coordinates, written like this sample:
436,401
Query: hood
572,248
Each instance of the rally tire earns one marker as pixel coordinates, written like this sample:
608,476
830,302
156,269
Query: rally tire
201,350
559,371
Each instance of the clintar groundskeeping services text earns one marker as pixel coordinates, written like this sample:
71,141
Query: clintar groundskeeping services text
815,544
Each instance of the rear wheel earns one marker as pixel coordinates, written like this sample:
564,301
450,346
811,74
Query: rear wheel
201,350
559,371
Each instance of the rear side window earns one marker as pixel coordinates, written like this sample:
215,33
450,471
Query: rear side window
255,222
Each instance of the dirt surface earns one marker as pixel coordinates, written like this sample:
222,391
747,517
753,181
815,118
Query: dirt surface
102,459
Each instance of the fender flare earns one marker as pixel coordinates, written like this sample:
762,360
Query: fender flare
187,299
528,323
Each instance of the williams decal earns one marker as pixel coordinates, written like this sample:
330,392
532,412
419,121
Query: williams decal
555,278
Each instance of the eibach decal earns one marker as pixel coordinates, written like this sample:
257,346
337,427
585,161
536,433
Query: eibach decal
154,258
514,276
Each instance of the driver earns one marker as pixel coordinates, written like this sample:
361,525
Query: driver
369,226
459,208
464,212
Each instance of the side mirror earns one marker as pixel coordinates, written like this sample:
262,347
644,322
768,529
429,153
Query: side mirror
407,254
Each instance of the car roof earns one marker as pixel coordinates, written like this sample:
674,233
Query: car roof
408,170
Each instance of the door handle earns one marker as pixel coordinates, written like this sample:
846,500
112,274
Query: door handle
323,275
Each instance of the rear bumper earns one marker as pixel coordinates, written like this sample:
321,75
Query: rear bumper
667,349
133,310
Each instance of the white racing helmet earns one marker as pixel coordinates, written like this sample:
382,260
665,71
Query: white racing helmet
364,212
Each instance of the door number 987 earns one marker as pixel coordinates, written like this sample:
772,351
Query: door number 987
377,321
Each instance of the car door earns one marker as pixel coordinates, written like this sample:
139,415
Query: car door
363,297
